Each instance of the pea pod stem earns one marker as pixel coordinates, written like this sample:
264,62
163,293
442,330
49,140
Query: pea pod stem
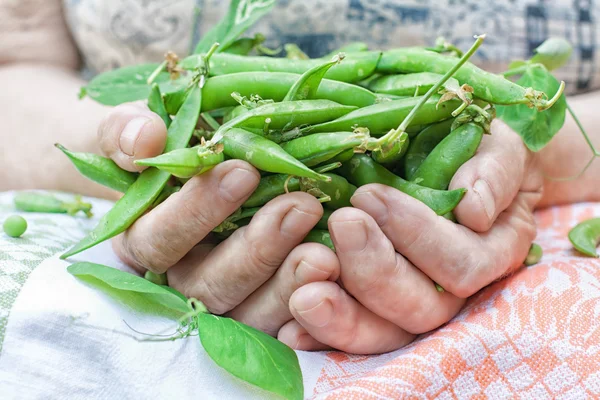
394,134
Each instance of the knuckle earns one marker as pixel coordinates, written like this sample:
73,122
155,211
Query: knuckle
201,215
468,276
261,259
208,292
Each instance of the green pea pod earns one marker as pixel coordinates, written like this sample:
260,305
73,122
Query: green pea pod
341,157
317,149
319,236
356,67
184,163
46,203
288,115
338,189
149,184
235,113
217,90
362,170
423,144
416,84
585,237
380,118
553,53
264,154
100,169
231,222
353,47
270,187
307,85
448,156
487,86
394,155
323,222
155,102
174,100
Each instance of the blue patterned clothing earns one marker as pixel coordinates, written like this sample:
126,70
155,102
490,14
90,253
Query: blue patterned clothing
112,33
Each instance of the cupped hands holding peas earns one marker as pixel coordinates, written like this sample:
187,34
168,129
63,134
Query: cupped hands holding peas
394,247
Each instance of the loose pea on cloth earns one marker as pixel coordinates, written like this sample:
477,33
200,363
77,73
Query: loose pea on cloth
534,335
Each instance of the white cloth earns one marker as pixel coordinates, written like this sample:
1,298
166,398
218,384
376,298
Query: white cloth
60,340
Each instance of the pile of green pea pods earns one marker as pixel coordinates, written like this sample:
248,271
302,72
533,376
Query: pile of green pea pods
406,117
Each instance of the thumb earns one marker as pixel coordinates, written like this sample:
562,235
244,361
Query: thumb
131,132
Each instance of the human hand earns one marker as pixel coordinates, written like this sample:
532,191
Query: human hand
392,248
251,275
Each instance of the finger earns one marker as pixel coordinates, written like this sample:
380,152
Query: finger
391,287
131,132
163,236
295,336
460,260
493,177
249,257
267,309
334,318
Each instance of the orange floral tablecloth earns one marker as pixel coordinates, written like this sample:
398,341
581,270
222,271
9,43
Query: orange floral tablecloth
533,335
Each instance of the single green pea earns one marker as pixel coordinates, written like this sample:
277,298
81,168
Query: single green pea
535,254
15,226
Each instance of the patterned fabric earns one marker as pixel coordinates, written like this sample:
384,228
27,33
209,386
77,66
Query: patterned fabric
46,235
534,335
112,33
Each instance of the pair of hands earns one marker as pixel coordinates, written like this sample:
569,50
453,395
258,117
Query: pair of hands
377,291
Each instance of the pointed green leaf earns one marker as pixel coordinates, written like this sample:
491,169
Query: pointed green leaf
98,274
536,128
251,355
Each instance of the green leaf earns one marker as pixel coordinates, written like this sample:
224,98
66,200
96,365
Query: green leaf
108,279
536,128
251,355
129,84
553,53
242,14
517,64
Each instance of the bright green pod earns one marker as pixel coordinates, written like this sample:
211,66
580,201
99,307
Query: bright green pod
381,118
487,86
289,115
184,163
423,143
585,237
46,203
100,169
448,156
338,189
264,154
320,148
323,222
394,155
270,187
362,170
416,84
356,67
319,236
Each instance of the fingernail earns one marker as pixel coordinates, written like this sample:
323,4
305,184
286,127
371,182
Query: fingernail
293,219
316,315
482,189
349,235
131,134
372,205
237,184
306,273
